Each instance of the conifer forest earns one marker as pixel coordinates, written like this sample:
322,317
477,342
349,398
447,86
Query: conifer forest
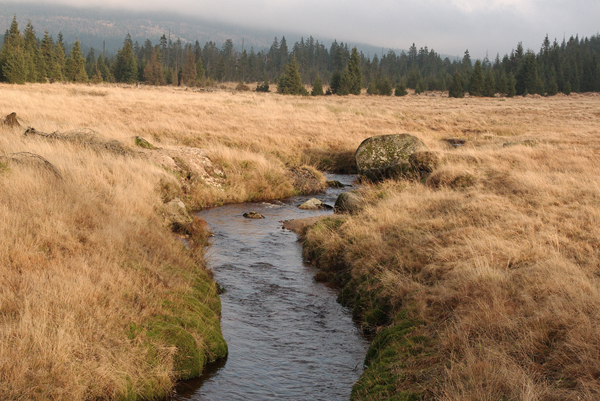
572,65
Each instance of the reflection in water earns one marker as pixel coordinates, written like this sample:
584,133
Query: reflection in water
288,337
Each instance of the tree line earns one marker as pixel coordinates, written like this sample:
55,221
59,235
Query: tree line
570,66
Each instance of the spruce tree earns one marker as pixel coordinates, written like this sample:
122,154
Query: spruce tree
383,87
125,67
456,87
13,69
317,89
476,82
189,70
60,60
103,68
91,65
12,60
200,73
36,65
334,83
400,89
47,53
153,72
511,86
528,80
502,83
75,65
552,86
290,82
351,82
489,85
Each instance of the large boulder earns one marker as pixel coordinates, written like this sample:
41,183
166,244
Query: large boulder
347,202
387,155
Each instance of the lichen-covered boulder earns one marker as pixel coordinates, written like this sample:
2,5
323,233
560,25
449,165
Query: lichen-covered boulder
424,163
387,155
347,202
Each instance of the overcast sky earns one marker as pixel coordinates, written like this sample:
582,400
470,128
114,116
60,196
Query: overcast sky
447,26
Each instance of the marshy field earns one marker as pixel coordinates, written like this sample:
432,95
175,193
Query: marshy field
478,282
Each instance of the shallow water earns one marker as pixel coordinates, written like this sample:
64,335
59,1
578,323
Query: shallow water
288,337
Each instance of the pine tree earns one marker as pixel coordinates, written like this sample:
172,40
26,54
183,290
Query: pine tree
13,69
12,60
103,68
511,86
552,86
456,87
60,59
91,65
317,89
351,82
334,83
200,73
75,65
502,83
47,53
264,87
400,89
489,86
34,65
189,70
153,71
476,82
290,82
528,80
125,67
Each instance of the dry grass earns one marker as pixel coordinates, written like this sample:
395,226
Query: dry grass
496,256
501,265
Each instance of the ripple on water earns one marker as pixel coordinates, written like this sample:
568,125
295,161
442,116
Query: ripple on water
288,337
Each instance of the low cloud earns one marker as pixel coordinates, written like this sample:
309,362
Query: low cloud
448,26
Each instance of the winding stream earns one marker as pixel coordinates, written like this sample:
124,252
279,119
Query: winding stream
288,337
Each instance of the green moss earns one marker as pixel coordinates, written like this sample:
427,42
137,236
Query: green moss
190,322
387,360
142,143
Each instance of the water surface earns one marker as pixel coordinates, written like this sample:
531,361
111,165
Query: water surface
288,338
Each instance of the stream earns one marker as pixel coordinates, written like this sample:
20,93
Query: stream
288,338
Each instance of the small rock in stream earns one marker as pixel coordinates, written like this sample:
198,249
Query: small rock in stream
314,204
253,215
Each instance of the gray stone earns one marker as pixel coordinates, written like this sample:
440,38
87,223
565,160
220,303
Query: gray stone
334,184
387,155
253,215
347,202
177,214
314,204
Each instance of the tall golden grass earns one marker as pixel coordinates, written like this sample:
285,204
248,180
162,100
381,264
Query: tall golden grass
495,254
86,259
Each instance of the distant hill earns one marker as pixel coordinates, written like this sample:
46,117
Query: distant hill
94,26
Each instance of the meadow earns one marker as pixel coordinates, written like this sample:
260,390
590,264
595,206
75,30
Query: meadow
486,271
